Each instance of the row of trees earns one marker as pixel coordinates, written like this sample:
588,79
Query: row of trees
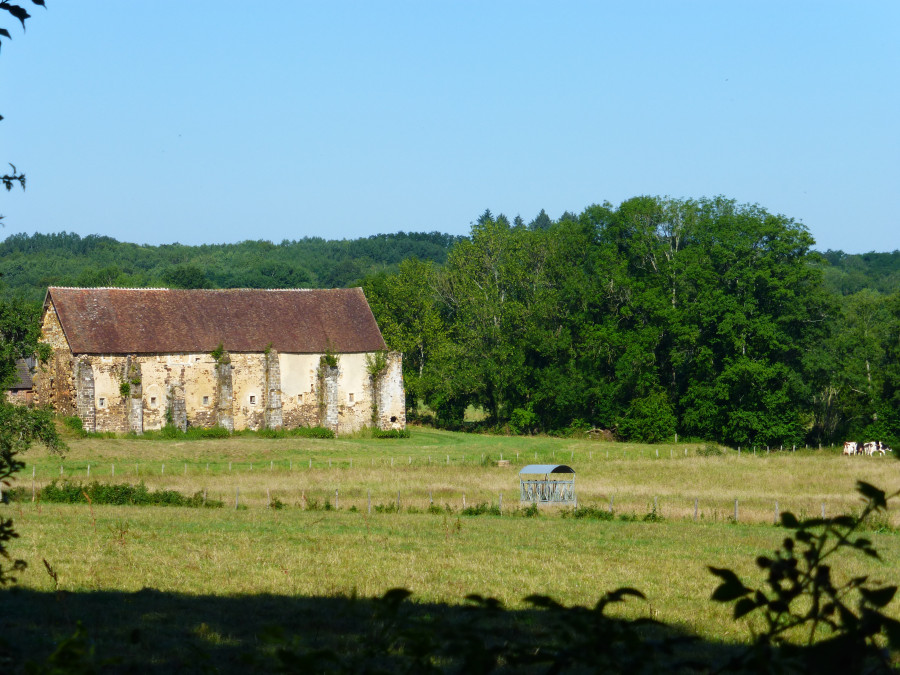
701,317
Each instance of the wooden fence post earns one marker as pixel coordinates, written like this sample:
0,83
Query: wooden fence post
696,509
735,509
610,503
500,504
237,497
335,499
398,501
370,501
776,511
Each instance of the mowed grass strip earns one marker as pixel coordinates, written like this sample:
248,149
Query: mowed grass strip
440,558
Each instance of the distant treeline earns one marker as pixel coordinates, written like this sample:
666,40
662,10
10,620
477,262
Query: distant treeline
847,273
31,263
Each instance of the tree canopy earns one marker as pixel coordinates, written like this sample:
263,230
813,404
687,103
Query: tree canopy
703,317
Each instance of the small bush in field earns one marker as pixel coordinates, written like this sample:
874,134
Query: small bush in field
481,509
75,424
120,494
390,433
590,512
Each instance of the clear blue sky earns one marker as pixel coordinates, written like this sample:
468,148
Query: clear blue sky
219,121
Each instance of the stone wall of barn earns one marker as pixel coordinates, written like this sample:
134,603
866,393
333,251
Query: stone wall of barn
140,392
54,381
390,396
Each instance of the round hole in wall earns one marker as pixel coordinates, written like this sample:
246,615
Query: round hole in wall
393,418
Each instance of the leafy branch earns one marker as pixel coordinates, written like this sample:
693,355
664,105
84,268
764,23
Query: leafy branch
801,596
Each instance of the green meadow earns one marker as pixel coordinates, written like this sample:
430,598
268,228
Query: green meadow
303,528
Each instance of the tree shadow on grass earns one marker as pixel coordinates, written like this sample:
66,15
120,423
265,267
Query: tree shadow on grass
154,632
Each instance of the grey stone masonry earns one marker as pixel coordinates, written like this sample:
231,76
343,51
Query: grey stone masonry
84,394
224,394
389,394
331,397
177,406
136,396
274,417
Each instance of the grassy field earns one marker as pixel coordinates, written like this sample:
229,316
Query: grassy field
444,467
301,552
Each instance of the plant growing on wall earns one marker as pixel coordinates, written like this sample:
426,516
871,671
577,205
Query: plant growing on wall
129,377
376,364
219,354
330,357
328,360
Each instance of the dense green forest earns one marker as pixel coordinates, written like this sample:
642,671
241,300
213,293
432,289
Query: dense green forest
31,263
707,318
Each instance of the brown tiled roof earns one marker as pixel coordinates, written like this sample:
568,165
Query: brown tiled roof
23,373
141,320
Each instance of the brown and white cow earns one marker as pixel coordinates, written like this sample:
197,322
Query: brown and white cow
850,448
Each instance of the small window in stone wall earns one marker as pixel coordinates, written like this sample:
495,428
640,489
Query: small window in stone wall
300,398
153,401
206,400
252,399
351,397
102,402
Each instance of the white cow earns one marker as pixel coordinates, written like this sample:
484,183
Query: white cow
850,448
871,447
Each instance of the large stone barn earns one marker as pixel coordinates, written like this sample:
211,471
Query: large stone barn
130,359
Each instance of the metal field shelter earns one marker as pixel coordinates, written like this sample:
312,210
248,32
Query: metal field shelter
553,488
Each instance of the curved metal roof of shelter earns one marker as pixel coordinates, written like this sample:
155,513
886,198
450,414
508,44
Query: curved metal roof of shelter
547,468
